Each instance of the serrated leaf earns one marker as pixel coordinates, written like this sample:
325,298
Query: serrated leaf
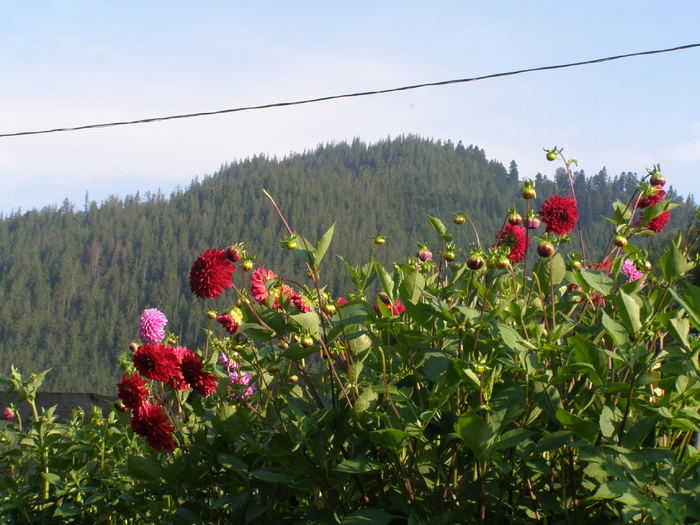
615,330
306,321
629,312
476,434
597,280
411,287
674,264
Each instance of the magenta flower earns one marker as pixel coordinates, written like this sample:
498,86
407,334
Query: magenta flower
630,270
152,327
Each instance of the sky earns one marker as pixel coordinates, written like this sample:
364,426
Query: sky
75,63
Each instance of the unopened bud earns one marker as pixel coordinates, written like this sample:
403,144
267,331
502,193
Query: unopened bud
133,347
8,413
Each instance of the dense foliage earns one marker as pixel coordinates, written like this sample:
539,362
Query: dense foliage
73,280
466,391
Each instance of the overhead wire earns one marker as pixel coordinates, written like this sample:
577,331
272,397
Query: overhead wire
350,95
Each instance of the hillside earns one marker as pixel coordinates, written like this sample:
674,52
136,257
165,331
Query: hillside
73,282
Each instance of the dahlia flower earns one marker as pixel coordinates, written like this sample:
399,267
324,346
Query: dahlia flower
258,284
657,224
177,381
152,327
157,362
192,368
560,215
515,238
151,423
211,274
655,194
231,320
630,270
133,392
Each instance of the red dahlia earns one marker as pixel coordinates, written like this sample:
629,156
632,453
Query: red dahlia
177,381
656,194
152,424
133,392
157,362
211,274
515,238
192,368
560,215
657,224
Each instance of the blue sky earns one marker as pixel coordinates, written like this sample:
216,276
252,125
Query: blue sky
75,63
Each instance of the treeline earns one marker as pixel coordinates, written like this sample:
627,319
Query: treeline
73,282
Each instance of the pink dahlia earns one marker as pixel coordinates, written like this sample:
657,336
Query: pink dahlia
211,274
157,362
133,392
193,372
152,424
515,238
152,327
654,195
259,284
657,224
560,215
630,270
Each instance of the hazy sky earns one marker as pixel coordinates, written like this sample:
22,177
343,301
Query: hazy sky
69,63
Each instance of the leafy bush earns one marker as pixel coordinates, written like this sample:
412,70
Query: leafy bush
468,391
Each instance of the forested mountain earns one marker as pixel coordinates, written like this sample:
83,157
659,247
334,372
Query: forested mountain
74,282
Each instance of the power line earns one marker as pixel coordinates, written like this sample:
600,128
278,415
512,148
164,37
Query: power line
349,95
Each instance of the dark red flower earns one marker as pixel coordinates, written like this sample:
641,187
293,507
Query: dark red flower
560,215
133,392
228,322
192,368
657,224
655,194
157,362
152,424
295,299
515,238
177,381
211,274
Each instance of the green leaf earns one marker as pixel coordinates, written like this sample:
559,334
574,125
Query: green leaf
615,330
271,477
323,244
301,252
549,277
367,516
385,279
588,430
306,321
476,434
553,441
597,280
513,438
437,224
629,312
587,352
506,407
143,467
297,351
358,466
67,509
411,287
390,438
674,264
